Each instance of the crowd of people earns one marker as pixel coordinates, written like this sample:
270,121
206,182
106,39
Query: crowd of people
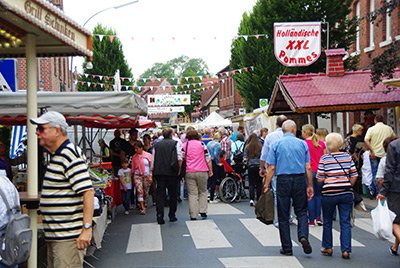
314,172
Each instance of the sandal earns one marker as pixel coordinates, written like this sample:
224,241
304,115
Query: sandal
143,212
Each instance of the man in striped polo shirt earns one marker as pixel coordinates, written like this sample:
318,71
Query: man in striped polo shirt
67,195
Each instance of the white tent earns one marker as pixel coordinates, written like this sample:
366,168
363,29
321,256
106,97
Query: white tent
214,120
258,119
102,103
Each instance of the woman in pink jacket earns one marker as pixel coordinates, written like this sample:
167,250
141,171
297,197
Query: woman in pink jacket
141,163
198,169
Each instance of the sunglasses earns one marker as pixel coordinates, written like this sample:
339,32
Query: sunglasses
41,128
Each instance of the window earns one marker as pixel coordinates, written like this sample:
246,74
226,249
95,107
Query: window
358,27
388,29
371,46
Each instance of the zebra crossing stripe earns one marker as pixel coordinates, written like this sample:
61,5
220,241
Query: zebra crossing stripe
261,262
267,235
144,237
206,234
223,209
366,225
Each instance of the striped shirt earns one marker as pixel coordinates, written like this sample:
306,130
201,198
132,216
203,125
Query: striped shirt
61,202
335,180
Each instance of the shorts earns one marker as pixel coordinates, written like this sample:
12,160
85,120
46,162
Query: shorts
393,200
64,254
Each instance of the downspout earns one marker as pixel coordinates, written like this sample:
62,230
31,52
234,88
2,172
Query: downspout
233,94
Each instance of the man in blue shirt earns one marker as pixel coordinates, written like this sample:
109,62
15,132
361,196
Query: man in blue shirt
289,159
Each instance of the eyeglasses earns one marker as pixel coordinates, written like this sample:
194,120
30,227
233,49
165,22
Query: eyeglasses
41,128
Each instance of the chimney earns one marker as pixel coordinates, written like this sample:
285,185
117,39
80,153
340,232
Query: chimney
334,61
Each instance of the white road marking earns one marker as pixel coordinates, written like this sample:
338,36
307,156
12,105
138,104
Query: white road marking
261,262
267,235
222,209
366,225
144,237
206,234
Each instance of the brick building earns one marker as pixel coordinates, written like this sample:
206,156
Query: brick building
229,99
373,37
372,40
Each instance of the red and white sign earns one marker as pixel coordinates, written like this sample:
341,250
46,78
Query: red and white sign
297,43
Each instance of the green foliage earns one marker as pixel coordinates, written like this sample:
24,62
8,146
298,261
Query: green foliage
260,52
108,57
175,68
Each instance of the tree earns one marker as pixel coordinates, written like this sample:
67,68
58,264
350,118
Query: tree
260,52
175,68
108,57
182,66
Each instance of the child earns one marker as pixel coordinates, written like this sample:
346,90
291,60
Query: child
125,175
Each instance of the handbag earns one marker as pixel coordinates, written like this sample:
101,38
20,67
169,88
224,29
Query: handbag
265,206
182,174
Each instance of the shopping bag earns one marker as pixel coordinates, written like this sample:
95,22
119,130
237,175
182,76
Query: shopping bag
382,220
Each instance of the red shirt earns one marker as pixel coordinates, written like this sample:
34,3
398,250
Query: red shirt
228,168
315,153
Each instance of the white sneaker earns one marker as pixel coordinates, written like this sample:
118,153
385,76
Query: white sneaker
214,201
251,203
126,212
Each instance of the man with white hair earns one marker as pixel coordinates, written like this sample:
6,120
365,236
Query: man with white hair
66,201
289,159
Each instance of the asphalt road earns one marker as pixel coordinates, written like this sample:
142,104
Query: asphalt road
229,237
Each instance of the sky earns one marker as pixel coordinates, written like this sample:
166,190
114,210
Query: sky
166,29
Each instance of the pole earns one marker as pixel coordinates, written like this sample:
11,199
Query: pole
32,172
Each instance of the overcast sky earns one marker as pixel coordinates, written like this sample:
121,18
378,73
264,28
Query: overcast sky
212,23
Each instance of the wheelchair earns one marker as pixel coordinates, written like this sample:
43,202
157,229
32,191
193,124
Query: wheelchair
231,185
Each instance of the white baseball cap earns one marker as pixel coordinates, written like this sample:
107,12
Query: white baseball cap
50,117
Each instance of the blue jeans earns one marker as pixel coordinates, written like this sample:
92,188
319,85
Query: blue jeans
345,204
5,266
314,205
291,187
212,181
126,198
374,167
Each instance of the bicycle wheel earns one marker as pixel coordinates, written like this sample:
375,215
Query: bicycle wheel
228,190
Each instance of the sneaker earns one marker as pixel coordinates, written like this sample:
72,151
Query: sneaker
185,198
306,245
214,202
203,215
392,252
311,224
251,203
319,221
126,213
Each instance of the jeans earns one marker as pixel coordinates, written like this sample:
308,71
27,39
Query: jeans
287,187
126,198
255,181
314,205
212,181
345,204
374,167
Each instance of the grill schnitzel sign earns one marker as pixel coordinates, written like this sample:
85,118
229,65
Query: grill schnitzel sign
297,43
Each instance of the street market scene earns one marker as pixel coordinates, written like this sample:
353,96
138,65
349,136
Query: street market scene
229,133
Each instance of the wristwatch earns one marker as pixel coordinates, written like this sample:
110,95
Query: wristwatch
87,226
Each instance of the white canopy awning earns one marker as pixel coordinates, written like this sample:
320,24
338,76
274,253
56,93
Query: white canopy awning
104,103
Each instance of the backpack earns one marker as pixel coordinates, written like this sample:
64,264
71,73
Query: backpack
15,246
238,154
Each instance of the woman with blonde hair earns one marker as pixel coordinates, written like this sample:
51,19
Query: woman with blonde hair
317,148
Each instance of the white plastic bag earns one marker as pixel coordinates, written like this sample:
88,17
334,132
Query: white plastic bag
382,219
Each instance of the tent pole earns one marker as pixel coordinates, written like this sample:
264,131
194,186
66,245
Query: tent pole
32,172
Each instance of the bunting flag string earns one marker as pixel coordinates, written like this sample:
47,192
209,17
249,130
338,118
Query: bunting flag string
175,38
202,85
172,79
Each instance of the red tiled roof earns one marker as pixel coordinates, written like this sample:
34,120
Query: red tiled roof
319,92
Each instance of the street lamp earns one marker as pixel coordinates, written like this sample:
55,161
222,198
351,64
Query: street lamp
89,64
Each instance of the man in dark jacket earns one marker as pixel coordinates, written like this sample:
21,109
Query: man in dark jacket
167,161
391,188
